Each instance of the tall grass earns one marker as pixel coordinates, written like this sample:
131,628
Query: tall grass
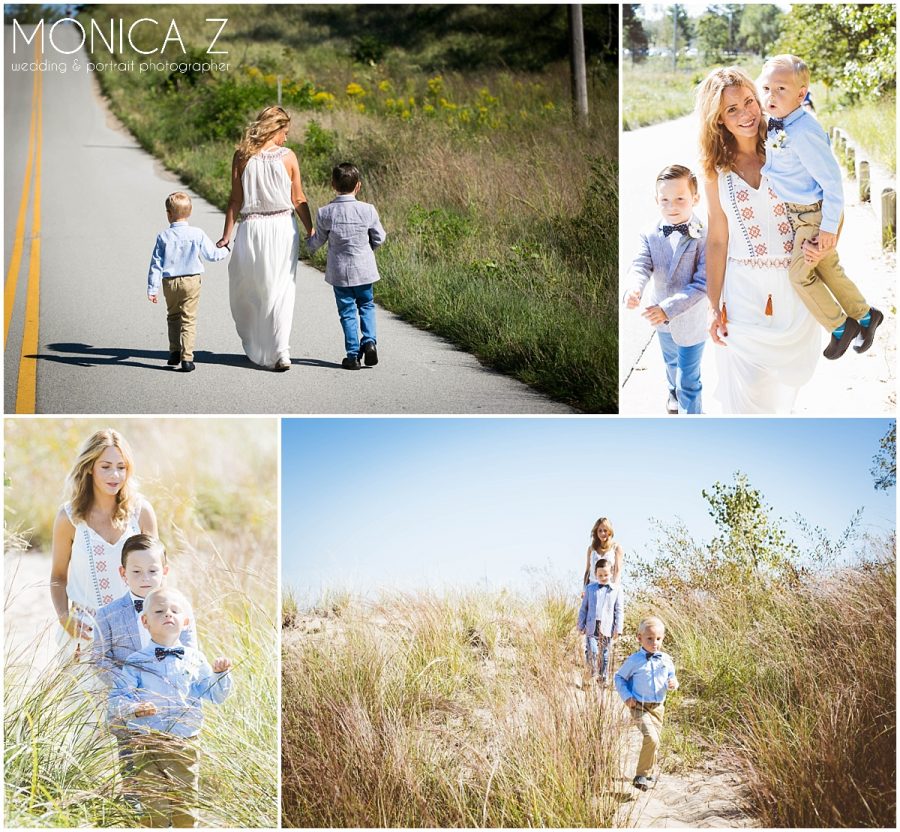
501,215
213,485
443,711
798,683
872,124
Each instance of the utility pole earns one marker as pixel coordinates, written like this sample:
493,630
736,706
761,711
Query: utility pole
674,37
578,65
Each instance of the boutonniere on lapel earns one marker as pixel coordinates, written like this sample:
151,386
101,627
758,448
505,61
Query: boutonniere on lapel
694,229
780,141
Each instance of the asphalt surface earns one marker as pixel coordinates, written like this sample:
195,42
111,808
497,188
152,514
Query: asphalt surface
102,347
854,385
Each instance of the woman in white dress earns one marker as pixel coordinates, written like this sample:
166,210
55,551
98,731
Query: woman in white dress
102,512
602,545
265,191
769,343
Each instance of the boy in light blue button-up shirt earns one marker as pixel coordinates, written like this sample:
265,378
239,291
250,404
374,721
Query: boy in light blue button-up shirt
643,681
803,172
176,265
157,698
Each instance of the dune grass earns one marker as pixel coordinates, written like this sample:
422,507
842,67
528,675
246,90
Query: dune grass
214,490
871,124
460,710
796,684
501,215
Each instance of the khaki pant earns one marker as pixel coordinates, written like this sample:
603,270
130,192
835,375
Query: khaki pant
649,721
165,776
182,299
828,293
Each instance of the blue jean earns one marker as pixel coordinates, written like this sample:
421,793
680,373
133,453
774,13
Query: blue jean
350,301
596,654
683,372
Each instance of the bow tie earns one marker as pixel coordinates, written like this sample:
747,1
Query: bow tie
681,228
162,652
605,586
138,604
776,124
649,656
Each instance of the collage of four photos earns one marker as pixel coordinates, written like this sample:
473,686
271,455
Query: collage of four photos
450,415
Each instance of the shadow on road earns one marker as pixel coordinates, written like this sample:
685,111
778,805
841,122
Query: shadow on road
85,355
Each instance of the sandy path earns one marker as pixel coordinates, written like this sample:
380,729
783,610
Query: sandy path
29,622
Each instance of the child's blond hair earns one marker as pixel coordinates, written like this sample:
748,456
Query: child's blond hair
794,64
650,621
178,205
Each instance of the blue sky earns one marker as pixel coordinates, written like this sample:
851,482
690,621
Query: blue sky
412,503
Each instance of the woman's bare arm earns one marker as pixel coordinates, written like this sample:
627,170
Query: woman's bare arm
63,537
235,201
716,254
298,198
147,520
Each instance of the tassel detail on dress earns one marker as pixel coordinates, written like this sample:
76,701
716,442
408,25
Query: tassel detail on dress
724,315
769,306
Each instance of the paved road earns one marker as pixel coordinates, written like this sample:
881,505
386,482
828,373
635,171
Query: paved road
100,347
855,385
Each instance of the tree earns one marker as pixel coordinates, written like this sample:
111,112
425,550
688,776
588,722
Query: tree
760,28
852,47
884,463
712,36
633,35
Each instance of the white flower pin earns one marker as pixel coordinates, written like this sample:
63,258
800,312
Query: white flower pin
780,142
694,229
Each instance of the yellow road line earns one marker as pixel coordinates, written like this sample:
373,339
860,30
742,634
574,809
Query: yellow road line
26,395
15,262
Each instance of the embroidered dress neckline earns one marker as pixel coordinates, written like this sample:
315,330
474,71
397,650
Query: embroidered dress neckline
107,542
272,152
757,189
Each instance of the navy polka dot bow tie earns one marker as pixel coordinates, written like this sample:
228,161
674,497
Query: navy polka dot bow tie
776,124
162,652
138,604
681,228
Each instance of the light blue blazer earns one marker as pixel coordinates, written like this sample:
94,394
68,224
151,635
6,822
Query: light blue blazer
353,232
603,605
677,282
116,637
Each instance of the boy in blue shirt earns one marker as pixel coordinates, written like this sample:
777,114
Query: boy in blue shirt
643,681
804,173
175,263
600,621
157,697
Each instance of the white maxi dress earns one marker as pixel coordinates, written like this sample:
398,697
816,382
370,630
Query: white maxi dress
773,343
261,270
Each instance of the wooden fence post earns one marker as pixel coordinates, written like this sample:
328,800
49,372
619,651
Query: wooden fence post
865,187
888,218
850,160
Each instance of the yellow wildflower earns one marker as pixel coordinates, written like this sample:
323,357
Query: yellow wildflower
354,90
436,85
384,86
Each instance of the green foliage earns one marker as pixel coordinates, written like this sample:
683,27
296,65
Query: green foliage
224,108
439,229
760,28
849,46
634,37
884,463
712,36
368,49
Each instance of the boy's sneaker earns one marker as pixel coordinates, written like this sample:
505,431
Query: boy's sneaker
350,363
838,346
672,403
867,333
369,353
187,367
174,359
642,783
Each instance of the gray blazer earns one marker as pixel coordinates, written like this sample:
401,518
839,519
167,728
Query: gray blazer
678,282
353,232
116,636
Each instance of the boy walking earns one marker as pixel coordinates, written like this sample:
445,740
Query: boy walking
643,681
353,232
600,621
673,256
804,173
175,263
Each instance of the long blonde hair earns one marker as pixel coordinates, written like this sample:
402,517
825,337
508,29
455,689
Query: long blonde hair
270,121
596,545
717,146
80,481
